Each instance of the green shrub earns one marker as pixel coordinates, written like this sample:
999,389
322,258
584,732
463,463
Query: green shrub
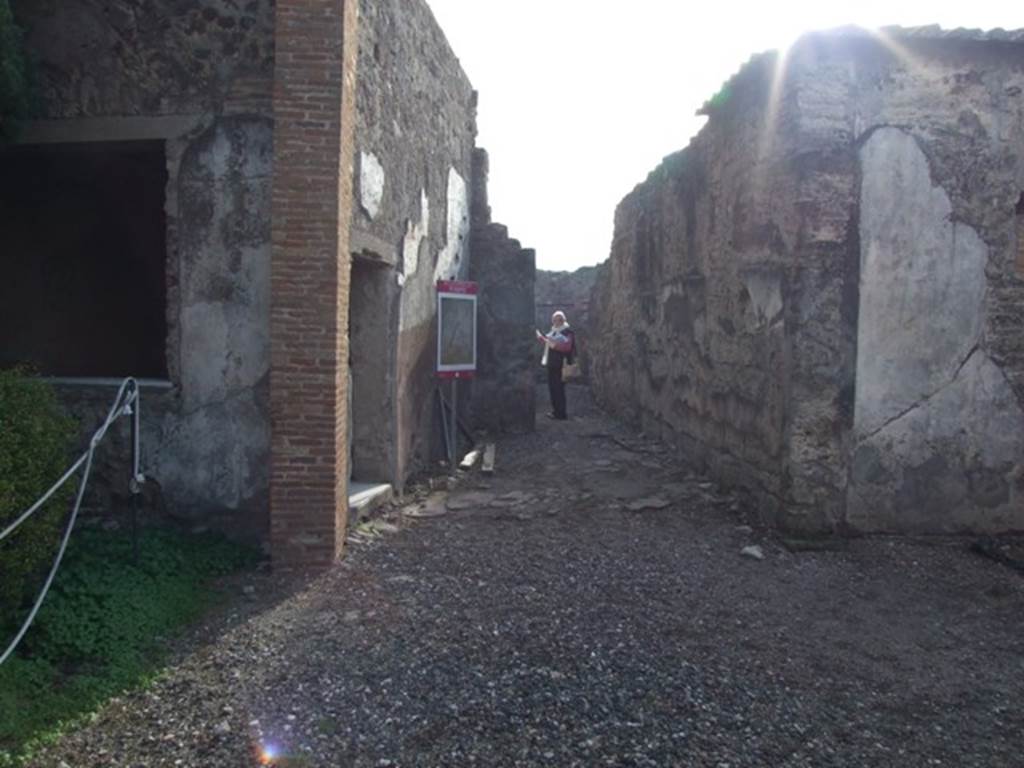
35,438
15,76
104,624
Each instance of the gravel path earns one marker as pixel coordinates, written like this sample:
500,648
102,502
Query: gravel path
590,606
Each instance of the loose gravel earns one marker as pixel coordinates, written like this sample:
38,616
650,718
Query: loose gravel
590,605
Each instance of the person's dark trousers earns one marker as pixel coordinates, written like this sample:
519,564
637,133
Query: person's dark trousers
556,387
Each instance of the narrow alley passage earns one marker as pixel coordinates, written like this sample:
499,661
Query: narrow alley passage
589,605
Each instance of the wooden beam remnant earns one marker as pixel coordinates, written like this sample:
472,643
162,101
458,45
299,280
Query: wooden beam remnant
488,459
470,459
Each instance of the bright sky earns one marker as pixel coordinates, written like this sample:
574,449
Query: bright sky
580,99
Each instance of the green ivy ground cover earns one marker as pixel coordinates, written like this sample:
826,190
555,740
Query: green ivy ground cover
104,626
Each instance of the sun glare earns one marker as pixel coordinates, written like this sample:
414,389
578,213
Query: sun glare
622,90
269,753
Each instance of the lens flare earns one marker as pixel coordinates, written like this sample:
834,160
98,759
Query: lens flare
269,754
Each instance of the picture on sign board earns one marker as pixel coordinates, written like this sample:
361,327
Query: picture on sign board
456,332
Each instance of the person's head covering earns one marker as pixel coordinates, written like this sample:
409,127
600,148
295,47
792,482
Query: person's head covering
559,314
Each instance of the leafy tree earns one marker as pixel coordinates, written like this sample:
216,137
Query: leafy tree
35,438
15,84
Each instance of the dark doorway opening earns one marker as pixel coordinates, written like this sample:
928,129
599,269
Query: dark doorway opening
83,287
371,350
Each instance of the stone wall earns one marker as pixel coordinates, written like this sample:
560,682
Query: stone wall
689,334
198,79
937,440
415,134
504,395
819,298
124,58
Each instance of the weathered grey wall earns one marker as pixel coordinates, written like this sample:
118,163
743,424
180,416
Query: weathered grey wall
867,371
197,76
503,392
691,319
213,453
414,141
936,121
938,428
120,58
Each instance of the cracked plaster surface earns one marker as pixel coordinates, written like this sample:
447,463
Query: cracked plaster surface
922,284
939,433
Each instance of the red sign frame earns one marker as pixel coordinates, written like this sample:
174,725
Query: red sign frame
464,290
457,286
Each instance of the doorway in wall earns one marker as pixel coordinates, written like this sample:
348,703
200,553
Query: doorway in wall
371,376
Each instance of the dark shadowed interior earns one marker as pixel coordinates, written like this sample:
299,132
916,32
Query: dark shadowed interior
82,272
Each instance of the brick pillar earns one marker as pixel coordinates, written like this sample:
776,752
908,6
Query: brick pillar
314,115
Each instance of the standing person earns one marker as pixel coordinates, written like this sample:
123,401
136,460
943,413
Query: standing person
559,345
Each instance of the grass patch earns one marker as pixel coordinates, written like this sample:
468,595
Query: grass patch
104,626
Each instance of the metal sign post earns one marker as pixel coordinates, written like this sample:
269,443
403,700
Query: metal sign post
455,423
456,344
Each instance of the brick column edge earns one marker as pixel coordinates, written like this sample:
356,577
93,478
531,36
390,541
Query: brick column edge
314,117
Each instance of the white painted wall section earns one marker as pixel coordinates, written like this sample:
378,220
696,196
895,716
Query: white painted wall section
371,183
452,260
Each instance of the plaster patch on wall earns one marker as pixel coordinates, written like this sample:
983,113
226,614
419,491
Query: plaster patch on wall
209,448
223,195
414,235
371,183
939,432
765,292
419,297
205,331
927,466
451,261
922,285
700,333
213,457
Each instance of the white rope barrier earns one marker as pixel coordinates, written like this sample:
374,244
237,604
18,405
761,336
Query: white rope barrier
44,498
126,403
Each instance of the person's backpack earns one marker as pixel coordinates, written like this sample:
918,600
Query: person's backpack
571,370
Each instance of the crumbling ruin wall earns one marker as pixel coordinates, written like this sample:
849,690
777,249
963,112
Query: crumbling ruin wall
198,78
503,393
123,58
691,318
415,134
937,125
820,298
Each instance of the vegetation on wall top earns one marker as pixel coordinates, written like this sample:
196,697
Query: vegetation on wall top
15,76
